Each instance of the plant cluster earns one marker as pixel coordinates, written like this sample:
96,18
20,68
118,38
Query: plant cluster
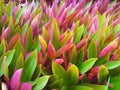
69,45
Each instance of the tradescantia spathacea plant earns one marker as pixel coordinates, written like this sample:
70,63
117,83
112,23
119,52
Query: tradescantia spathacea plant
69,45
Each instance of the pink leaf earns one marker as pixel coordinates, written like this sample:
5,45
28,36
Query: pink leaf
110,47
15,80
81,43
26,86
51,50
80,5
61,10
59,61
64,49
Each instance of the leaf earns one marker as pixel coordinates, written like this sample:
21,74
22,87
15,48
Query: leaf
76,88
18,50
78,34
9,10
29,67
36,45
67,36
40,83
1,71
19,13
43,42
92,50
80,57
74,56
107,85
46,35
116,29
37,72
115,81
64,49
56,84
87,65
15,80
112,65
14,40
2,47
9,56
114,72
25,27
20,62
73,74
60,72
26,86
56,34
102,60
5,68
30,37
107,31
102,20
95,36
102,74
94,86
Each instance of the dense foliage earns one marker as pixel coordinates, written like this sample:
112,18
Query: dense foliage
65,45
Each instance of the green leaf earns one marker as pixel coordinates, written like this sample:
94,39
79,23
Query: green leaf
29,42
9,56
76,88
56,84
80,57
18,50
2,47
6,70
60,72
68,35
92,50
78,34
56,35
40,83
107,85
29,67
74,55
36,45
115,81
9,10
116,29
73,74
20,62
107,31
102,20
95,36
102,60
94,86
114,72
19,14
1,71
25,27
37,72
112,65
85,31
45,33
102,74
87,65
